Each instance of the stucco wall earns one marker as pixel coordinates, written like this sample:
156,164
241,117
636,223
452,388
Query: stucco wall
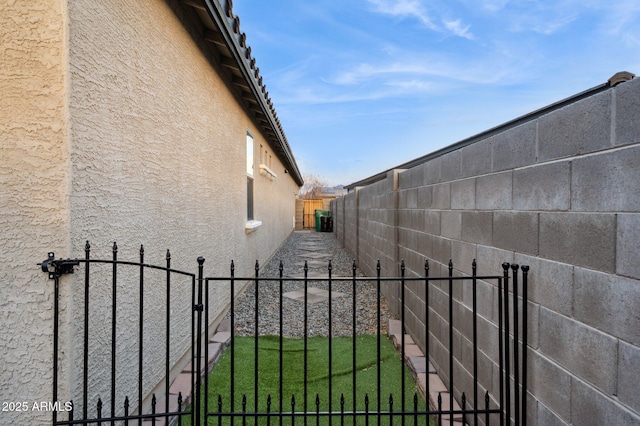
559,193
34,189
121,130
159,156
159,143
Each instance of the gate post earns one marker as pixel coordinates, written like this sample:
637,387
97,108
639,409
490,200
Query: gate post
198,309
56,308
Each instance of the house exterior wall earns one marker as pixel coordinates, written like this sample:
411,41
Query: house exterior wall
558,193
34,193
152,118
137,140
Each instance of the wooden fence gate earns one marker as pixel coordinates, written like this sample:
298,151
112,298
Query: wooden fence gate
309,213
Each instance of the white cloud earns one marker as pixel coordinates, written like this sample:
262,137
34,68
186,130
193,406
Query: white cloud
622,21
545,22
415,78
552,25
457,29
493,5
485,6
413,85
491,69
415,9
404,8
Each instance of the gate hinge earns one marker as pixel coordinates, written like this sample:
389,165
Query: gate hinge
56,268
199,307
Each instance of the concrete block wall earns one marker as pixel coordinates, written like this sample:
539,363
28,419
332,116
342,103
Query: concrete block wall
559,193
350,240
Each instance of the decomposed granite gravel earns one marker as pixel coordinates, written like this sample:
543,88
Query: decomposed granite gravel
317,249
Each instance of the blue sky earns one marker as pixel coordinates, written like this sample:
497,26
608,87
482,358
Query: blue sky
361,86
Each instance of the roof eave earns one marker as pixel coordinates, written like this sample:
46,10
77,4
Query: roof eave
223,34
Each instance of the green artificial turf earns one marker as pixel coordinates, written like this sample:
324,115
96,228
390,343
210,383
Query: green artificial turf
318,381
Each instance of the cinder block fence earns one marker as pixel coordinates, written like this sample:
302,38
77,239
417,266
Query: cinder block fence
558,191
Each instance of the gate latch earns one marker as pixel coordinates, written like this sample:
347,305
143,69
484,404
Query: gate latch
56,268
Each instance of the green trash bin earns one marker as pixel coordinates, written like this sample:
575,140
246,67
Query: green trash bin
320,213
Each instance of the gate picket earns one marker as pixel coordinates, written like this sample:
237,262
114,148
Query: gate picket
193,405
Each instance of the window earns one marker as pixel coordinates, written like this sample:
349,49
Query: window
249,198
251,224
249,176
249,155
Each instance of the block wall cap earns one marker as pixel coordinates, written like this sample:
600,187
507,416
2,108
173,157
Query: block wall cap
621,77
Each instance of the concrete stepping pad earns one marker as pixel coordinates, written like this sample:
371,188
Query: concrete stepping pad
314,295
312,244
310,275
315,264
312,255
313,249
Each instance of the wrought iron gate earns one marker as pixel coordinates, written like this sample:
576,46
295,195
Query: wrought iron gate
478,405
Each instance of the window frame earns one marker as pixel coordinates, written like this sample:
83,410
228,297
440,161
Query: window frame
251,223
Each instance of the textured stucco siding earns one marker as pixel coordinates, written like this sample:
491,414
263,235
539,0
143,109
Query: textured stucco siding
120,130
34,192
559,193
159,158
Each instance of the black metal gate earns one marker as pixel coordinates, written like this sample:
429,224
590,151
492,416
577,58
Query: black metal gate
154,403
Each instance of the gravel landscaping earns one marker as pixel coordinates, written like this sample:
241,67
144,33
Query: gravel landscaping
317,249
